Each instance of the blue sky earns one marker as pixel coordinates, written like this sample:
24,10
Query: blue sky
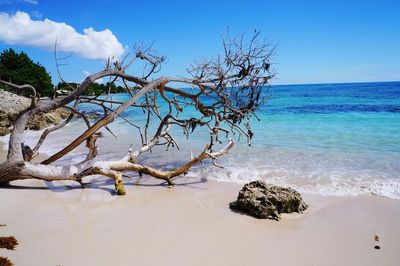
317,41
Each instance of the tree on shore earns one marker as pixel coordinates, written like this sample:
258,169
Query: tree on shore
223,96
19,69
93,89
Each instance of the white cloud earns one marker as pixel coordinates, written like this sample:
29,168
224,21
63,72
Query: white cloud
33,2
8,2
21,29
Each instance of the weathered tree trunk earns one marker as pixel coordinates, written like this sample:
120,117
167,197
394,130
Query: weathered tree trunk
10,171
15,168
233,83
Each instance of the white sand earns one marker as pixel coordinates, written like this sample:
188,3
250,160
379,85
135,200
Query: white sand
190,224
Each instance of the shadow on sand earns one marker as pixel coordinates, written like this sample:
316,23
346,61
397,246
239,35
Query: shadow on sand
105,184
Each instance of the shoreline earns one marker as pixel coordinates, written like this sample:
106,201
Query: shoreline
190,224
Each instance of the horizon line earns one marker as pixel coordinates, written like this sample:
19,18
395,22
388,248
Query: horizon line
340,82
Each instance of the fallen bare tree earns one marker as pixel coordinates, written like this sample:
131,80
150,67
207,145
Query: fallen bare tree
224,93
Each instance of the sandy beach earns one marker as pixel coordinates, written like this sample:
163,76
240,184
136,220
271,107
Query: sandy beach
60,224
150,137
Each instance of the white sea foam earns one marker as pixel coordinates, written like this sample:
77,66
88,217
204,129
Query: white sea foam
335,177
330,186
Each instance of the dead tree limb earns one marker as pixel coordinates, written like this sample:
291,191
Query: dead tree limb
223,95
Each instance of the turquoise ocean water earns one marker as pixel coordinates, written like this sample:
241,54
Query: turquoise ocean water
333,139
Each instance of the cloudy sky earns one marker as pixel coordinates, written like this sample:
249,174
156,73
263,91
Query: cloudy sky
317,41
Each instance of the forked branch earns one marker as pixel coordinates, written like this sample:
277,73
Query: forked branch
221,96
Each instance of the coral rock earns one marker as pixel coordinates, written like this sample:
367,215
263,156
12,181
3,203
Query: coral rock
265,201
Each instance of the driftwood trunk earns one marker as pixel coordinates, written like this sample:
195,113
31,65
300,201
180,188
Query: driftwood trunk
224,92
15,168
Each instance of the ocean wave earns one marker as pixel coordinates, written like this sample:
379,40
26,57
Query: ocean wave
326,186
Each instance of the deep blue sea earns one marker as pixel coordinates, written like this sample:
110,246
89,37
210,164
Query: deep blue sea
333,139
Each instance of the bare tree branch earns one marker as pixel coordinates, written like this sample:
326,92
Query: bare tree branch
222,96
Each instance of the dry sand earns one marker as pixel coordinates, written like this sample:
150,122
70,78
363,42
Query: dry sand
190,224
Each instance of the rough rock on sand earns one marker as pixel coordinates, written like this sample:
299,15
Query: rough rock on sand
11,105
261,200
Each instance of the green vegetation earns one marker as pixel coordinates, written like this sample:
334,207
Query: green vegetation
93,89
19,69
